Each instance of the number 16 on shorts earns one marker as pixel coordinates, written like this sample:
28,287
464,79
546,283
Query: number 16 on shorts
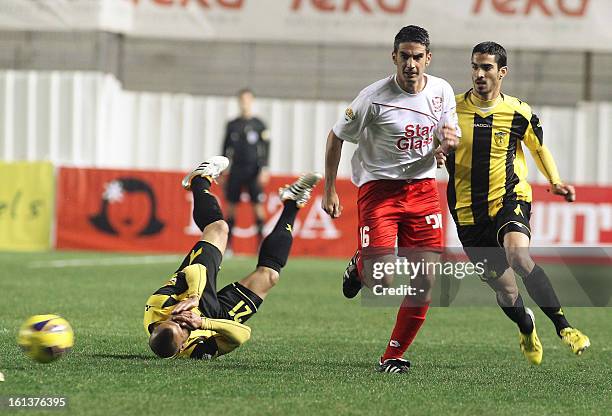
364,237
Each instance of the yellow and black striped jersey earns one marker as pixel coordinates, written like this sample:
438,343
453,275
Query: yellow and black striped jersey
216,337
190,281
489,165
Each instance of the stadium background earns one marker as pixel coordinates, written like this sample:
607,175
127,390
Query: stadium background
101,97
100,93
150,84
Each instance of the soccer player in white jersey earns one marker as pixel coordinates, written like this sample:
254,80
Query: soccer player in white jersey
397,123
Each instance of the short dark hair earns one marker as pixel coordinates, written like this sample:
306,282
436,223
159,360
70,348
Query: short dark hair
495,49
411,33
162,342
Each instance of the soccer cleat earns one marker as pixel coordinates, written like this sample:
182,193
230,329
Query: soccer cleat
210,168
299,191
393,365
530,343
576,340
351,285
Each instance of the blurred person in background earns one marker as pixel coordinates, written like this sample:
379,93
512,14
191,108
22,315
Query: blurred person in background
490,200
246,145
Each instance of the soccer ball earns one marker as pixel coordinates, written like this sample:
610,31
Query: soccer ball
45,338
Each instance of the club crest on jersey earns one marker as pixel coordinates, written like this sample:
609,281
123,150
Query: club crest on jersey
500,136
437,104
349,115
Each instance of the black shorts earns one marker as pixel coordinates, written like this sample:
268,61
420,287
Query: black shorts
243,179
234,301
485,241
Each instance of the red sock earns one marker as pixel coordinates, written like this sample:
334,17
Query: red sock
407,325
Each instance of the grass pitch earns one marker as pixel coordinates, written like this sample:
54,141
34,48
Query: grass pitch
311,352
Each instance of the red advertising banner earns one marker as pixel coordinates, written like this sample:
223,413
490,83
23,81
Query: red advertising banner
145,211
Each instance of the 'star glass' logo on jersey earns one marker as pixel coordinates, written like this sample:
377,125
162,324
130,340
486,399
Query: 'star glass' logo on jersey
416,136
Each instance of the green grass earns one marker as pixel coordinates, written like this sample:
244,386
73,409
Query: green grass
311,352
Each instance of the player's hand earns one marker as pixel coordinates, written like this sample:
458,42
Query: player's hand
440,157
567,191
331,203
186,305
189,320
449,140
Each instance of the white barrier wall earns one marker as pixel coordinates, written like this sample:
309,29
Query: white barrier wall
87,119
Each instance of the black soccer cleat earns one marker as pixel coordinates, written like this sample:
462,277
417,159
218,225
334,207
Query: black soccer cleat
351,285
394,366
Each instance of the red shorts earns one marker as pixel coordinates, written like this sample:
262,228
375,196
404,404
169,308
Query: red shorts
398,210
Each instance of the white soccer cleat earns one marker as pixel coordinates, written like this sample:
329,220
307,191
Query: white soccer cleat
210,168
299,191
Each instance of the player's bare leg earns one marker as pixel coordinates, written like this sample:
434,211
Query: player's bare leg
540,289
274,250
261,281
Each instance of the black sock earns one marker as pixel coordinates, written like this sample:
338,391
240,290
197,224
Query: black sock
541,291
230,225
518,315
274,250
206,209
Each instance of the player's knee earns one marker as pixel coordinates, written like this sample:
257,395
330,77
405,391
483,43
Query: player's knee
269,275
520,260
425,296
219,228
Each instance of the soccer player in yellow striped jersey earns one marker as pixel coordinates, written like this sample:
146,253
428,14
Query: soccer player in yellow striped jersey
490,199
187,316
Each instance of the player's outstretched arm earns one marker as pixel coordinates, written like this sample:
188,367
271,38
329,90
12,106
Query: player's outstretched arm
534,140
231,334
333,151
546,164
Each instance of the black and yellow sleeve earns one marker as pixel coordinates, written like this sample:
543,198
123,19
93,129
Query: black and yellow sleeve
534,140
230,334
195,277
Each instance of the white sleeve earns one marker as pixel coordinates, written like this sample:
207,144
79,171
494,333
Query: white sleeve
449,113
355,119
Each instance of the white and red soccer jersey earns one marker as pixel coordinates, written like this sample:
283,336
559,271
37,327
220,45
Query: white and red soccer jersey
395,130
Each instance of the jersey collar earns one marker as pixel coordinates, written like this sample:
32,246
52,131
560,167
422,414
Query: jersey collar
407,93
484,106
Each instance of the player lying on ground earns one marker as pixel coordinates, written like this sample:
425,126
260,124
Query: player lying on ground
188,317
490,199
